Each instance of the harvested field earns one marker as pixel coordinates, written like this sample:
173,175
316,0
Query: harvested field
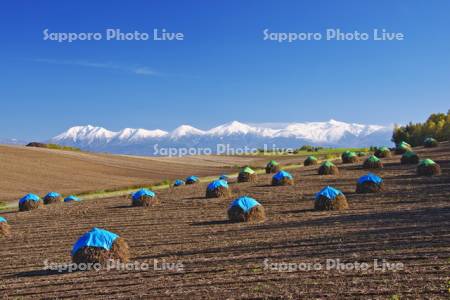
407,223
39,170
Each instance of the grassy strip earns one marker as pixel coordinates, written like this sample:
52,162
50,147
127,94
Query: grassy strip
8,206
52,146
59,147
323,151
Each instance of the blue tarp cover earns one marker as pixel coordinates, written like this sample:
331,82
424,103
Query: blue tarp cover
282,174
217,183
223,177
143,192
71,198
29,197
3,220
328,192
371,178
97,237
178,182
192,178
246,203
53,195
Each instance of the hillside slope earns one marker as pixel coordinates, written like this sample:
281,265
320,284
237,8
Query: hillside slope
37,170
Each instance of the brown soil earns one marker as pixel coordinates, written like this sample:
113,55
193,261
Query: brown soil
324,170
400,150
5,230
145,201
246,177
272,169
190,182
369,187
382,154
350,160
412,160
407,224
310,162
255,214
283,181
50,200
373,165
220,192
30,205
433,170
431,144
338,203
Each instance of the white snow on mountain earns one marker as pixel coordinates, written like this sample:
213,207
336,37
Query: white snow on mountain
85,134
185,130
236,127
326,132
139,141
91,134
134,135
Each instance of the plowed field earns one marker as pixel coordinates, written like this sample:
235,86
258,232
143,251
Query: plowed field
408,225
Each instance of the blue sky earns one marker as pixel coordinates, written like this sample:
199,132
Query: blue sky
223,70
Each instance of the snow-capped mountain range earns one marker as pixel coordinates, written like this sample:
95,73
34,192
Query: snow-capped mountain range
234,134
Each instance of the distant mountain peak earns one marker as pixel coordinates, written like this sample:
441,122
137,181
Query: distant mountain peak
140,141
230,128
185,130
139,134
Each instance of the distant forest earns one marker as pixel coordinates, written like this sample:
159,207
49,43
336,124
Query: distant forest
437,126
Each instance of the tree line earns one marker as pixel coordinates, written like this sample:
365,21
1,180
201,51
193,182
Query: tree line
437,126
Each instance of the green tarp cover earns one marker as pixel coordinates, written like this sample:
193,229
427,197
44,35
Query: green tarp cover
404,145
348,154
328,164
373,158
312,157
351,154
427,162
409,154
247,170
272,163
